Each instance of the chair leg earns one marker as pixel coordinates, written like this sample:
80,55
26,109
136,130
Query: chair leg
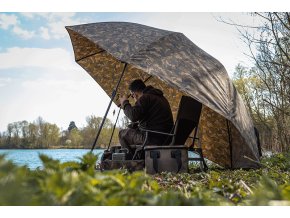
198,150
205,167
138,150
138,153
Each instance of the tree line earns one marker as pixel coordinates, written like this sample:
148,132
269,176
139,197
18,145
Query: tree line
40,134
265,86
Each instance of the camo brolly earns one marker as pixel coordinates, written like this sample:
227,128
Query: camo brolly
178,67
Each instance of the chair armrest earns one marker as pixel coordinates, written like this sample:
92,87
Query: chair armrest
158,132
146,138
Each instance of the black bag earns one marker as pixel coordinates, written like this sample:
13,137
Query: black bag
157,159
117,158
131,165
166,159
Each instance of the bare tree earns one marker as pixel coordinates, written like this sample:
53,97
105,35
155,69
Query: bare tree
270,51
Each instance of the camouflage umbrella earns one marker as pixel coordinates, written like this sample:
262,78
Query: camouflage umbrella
177,67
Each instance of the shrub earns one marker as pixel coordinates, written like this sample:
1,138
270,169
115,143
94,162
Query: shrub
79,183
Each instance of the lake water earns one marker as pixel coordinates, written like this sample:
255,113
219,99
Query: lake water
30,157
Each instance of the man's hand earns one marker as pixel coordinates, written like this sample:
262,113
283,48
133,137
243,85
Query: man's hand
122,99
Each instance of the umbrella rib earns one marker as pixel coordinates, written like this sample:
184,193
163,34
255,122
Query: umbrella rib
90,55
147,78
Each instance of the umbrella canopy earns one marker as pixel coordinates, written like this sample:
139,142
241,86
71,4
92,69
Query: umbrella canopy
177,67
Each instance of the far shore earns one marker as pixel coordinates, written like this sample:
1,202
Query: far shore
6,148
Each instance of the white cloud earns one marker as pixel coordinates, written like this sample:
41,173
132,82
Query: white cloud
58,21
50,16
25,34
57,29
58,89
53,27
8,20
29,15
56,100
55,23
57,58
44,33
61,16
4,81
45,15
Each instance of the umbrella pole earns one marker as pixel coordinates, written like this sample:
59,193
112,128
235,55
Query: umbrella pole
114,128
109,106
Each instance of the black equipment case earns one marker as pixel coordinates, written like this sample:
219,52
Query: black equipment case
166,159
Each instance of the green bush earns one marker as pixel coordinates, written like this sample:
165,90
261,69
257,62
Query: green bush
78,183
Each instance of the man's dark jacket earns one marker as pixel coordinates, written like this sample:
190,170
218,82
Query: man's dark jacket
153,112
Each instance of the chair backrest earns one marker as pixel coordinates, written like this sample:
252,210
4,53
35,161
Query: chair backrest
187,119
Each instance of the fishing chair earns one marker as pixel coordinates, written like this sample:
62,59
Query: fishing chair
186,121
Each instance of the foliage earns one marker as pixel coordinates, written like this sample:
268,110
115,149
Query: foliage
41,134
265,87
79,183
253,90
268,185
74,137
72,125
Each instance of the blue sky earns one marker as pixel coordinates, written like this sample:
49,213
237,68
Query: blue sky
38,75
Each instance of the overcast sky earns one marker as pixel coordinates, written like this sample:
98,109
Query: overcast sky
38,75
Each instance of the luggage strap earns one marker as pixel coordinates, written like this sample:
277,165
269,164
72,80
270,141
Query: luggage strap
155,155
177,155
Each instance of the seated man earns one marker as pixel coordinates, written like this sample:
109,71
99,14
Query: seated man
151,110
